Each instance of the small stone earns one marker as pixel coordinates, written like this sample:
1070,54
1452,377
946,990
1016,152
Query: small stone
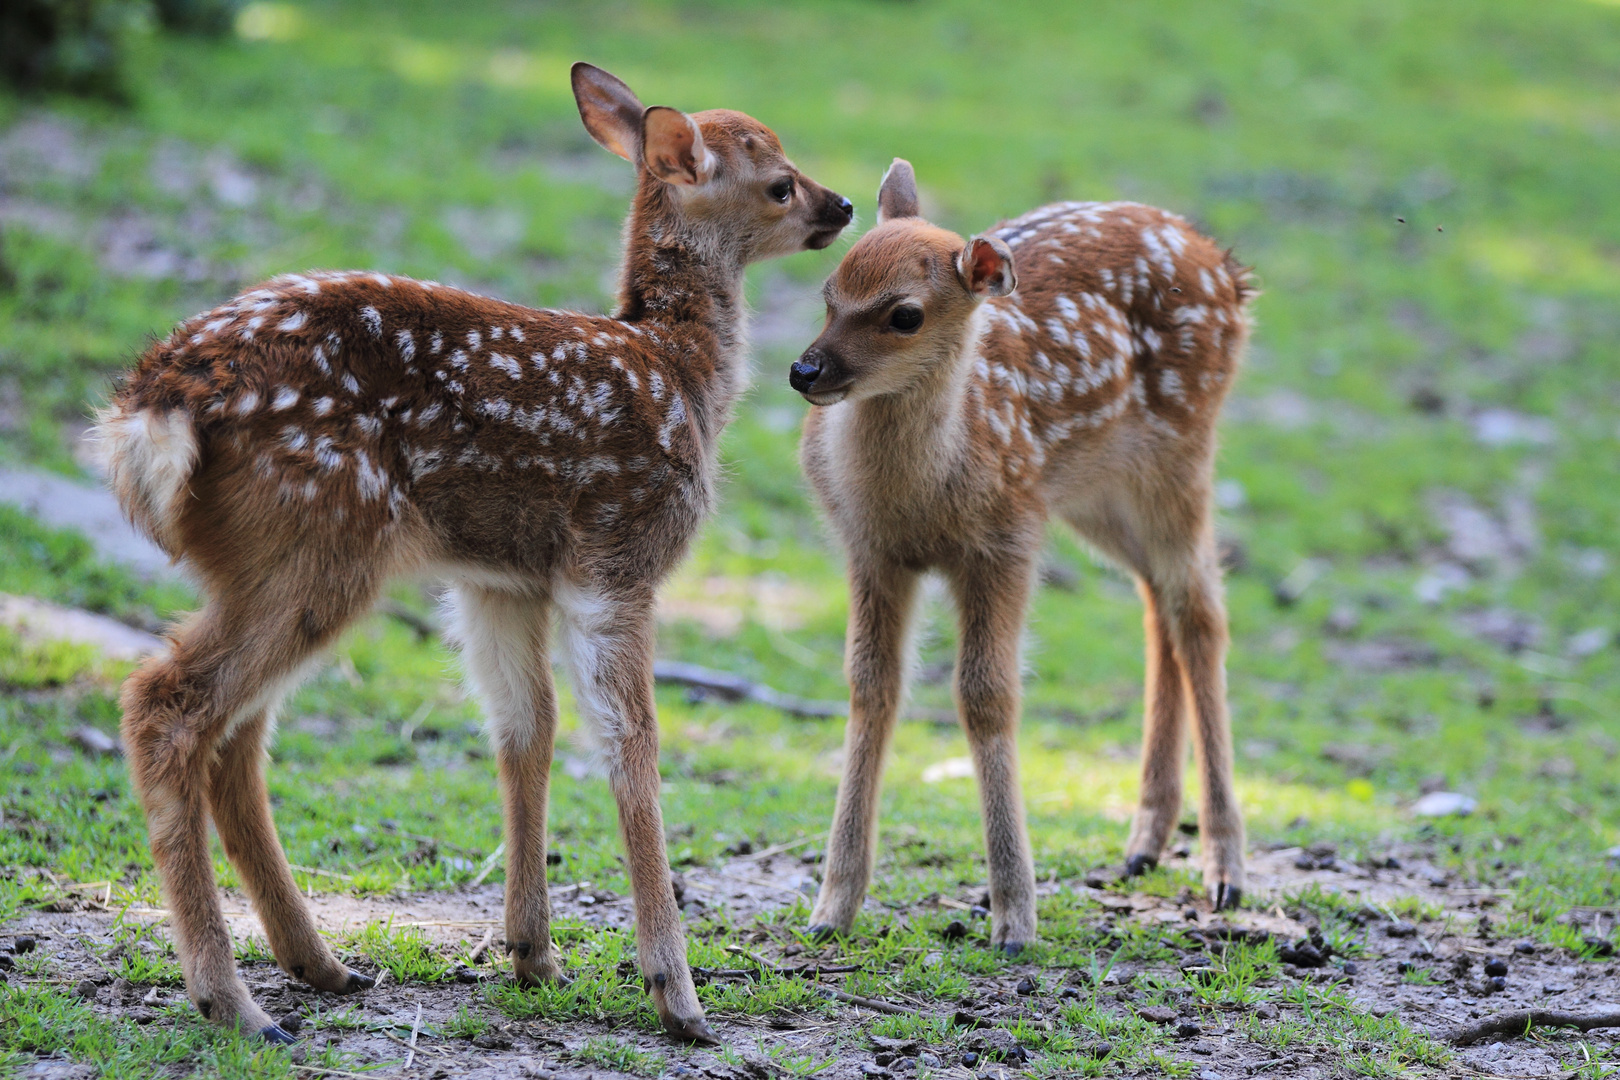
466,975
1495,985
1496,966
1350,967
23,945
1444,804
1600,946
1158,1014
929,1059
491,1040
884,1058
1525,948
956,930
1405,967
1191,914
1400,929
142,1015
1556,988
1266,1011
292,1023
1027,986
970,1059
1188,1030
86,989
6,962
1100,1050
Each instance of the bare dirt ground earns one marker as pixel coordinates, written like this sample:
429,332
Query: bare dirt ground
1453,948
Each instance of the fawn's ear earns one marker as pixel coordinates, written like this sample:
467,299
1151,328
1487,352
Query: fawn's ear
986,268
897,195
674,148
611,111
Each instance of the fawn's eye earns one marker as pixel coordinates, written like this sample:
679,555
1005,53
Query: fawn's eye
782,190
906,318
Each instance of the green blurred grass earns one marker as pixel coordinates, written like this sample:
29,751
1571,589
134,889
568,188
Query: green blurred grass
442,142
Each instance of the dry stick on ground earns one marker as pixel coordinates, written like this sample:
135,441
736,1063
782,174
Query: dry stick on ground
416,1027
722,685
477,955
1519,1023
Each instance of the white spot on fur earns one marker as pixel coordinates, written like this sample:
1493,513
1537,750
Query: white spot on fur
407,345
286,398
295,321
373,320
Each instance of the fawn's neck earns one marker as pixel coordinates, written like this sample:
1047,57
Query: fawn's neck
924,427
684,278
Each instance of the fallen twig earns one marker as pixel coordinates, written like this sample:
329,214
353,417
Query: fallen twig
477,955
1520,1022
416,1027
490,864
730,687
774,849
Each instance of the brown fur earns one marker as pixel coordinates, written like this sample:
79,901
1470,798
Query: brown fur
1089,395
324,432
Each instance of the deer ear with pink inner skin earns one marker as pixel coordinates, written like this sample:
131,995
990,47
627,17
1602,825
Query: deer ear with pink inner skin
674,147
985,267
610,110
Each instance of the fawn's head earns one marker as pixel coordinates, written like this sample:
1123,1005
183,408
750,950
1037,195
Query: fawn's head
899,303
721,176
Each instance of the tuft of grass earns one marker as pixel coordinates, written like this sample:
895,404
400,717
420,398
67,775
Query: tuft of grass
620,1055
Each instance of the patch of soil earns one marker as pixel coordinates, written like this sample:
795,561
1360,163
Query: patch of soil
1449,955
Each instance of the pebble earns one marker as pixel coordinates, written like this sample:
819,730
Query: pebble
1401,929
930,1059
23,945
1188,1030
1444,804
86,989
292,1023
956,930
1496,966
1495,985
1525,947
6,962
1027,986
970,1059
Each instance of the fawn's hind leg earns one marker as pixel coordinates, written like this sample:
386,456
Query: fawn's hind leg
240,805
503,639
609,644
991,597
1191,602
226,666
1164,742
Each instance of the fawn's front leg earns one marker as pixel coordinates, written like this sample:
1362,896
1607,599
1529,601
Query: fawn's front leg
610,651
991,597
504,639
880,605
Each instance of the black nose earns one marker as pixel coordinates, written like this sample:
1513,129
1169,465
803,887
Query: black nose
847,207
804,372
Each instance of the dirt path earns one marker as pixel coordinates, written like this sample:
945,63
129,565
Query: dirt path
1451,992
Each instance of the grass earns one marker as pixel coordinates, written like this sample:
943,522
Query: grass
438,143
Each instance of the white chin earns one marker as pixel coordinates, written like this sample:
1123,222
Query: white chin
831,397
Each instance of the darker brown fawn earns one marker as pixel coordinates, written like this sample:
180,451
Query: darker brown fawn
956,417
324,432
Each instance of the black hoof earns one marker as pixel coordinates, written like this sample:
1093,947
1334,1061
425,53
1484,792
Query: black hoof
521,949
692,1031
358,982
821,931
1137,865
275,1035
1010,949
1227,897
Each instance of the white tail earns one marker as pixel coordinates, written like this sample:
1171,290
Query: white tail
148,455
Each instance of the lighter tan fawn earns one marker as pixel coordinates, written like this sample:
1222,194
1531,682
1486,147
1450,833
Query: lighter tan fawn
955,417
325,432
